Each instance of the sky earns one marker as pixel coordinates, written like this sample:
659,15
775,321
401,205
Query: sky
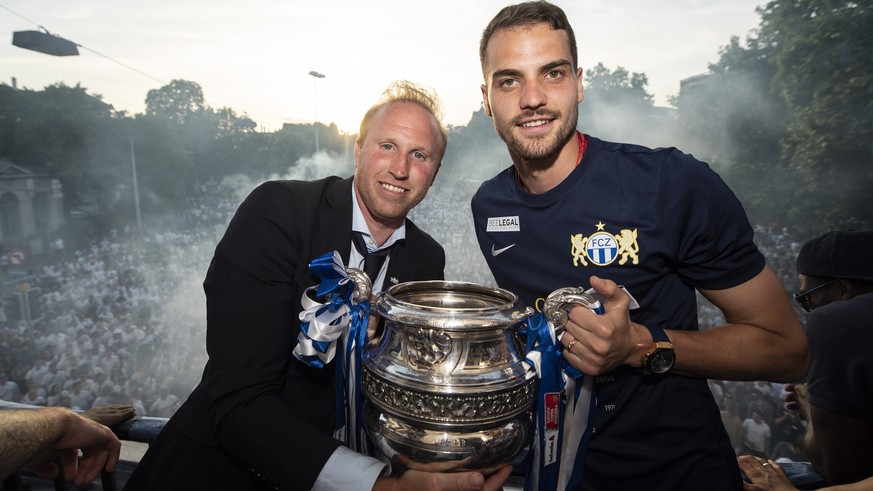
255,57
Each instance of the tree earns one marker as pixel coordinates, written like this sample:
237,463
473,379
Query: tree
618,87
735,120
617,105
228,123
67,132
179,101
788,119
183,141
823,50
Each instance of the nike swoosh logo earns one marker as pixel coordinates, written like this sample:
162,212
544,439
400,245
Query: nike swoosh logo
497,252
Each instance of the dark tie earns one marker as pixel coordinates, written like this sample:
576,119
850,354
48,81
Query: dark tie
373,261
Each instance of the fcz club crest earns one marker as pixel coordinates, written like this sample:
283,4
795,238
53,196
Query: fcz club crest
602,248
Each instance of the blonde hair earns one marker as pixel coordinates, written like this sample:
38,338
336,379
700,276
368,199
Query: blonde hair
406,91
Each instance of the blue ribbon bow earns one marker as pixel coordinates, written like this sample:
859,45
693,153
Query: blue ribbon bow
336,329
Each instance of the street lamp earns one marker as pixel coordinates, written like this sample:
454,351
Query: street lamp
315,76
44,42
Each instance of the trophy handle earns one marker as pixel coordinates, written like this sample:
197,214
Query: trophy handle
555,308
363,285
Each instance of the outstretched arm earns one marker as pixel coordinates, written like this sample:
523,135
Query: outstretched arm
34,437
761,340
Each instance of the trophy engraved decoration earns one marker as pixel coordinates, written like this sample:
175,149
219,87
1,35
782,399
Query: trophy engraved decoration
446,385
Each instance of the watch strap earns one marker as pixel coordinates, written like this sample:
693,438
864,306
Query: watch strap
658,334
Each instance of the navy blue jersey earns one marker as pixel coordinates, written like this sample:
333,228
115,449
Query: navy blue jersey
660,223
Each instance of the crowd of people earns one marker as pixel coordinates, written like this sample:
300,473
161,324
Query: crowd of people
121,321
757,420
124,320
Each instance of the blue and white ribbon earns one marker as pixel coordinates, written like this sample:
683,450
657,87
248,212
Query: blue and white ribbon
564,412
336,328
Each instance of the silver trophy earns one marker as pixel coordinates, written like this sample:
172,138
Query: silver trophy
446,386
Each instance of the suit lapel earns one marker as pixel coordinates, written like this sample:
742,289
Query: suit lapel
334,227
331,228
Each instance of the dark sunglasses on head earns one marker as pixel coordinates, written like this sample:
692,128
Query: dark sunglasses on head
803,297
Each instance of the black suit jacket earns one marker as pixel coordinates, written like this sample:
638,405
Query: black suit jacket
258,411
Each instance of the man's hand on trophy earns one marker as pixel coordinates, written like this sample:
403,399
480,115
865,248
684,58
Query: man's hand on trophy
597,344
415,480
445,466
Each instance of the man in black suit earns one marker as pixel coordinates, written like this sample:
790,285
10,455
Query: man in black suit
260,418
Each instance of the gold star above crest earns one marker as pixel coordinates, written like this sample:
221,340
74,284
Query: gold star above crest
600,226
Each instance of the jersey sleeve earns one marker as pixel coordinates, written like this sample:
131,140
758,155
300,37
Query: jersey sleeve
708,228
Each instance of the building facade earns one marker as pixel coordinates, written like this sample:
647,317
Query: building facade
31,214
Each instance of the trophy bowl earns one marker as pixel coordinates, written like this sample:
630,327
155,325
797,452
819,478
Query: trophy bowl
446,386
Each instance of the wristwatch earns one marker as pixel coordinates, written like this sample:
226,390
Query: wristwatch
660,357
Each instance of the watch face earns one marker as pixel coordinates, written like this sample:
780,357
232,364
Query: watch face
661,361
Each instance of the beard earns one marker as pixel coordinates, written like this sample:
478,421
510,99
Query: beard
540,147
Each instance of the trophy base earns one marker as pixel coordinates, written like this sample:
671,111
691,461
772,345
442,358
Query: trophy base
446,448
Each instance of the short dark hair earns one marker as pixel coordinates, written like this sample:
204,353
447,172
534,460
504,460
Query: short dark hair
525,15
